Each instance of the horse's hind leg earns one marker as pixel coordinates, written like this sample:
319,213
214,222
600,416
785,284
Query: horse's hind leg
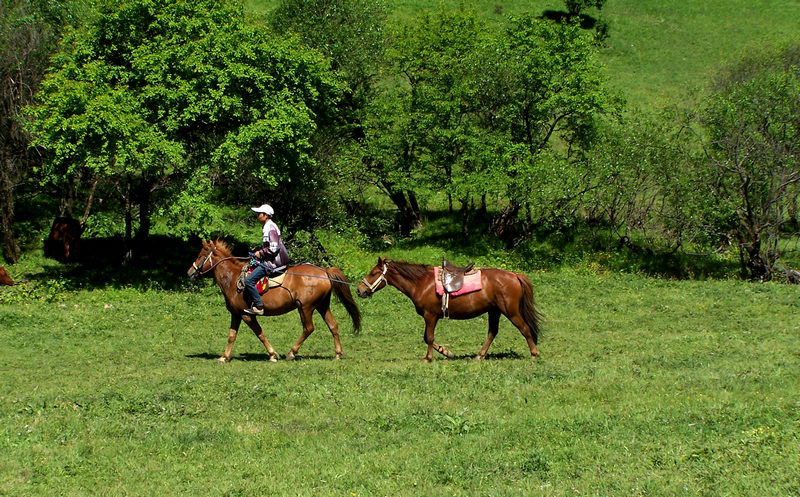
308,328
327,315
253,324
519,322
494,326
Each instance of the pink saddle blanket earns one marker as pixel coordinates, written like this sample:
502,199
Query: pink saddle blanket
472,283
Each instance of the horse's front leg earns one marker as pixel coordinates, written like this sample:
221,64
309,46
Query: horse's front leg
253,324
430,325
236,320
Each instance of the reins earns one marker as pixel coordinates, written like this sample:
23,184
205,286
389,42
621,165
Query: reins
215,264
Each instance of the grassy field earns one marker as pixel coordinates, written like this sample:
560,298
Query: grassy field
109,383
644,387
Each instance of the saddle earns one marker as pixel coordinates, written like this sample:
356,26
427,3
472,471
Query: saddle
452,279
263,284
453,276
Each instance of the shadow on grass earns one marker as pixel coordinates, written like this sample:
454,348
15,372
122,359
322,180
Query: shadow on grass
492,356
161,263
586,22
259,357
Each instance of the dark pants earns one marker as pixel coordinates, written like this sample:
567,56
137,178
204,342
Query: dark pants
250,292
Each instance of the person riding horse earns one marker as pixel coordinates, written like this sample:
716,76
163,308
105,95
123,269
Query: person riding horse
272,257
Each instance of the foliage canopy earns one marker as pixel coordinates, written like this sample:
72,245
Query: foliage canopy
155,94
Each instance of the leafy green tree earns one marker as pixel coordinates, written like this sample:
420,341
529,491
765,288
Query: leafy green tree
478,114
439,58
634,182
753,156
352,36
29,32
350,33
542,93
416,130
161,100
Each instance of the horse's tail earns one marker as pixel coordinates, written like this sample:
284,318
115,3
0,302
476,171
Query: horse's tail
529,312
342,290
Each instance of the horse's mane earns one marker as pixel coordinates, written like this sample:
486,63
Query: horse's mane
223,248
409,270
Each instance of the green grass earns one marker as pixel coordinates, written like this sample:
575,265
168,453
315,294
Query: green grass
645,386
109,384
660,52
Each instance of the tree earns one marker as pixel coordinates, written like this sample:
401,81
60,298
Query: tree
478,114
543,90
28,34
634,181
416,129
351,34
160,99
753,155
438,137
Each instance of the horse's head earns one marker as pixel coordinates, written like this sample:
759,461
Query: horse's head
374,280
203,263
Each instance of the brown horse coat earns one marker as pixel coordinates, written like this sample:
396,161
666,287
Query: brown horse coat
503,293
5,278
62,243
306,288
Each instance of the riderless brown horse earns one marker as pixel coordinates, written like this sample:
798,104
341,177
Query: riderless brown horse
503,292
305,287
5,278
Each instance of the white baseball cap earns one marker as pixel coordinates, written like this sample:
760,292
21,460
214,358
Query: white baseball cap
264,208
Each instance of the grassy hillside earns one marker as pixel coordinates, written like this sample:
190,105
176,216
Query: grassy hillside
658,50
644,387
661,50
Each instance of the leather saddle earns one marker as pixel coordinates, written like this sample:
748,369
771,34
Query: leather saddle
453,276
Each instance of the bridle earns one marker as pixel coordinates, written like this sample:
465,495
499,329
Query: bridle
199,269
382,278
208,258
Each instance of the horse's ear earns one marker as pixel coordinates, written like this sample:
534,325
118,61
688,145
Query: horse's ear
381,261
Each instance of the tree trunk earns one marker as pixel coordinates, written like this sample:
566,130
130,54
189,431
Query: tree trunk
144,200
11,251
407,205
504,224
465,217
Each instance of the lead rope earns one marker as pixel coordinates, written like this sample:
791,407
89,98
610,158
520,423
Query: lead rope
215,264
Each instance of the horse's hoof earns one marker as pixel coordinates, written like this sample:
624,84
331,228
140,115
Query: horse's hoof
223,360
273,358
449,355
337,357
477,358
290,357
